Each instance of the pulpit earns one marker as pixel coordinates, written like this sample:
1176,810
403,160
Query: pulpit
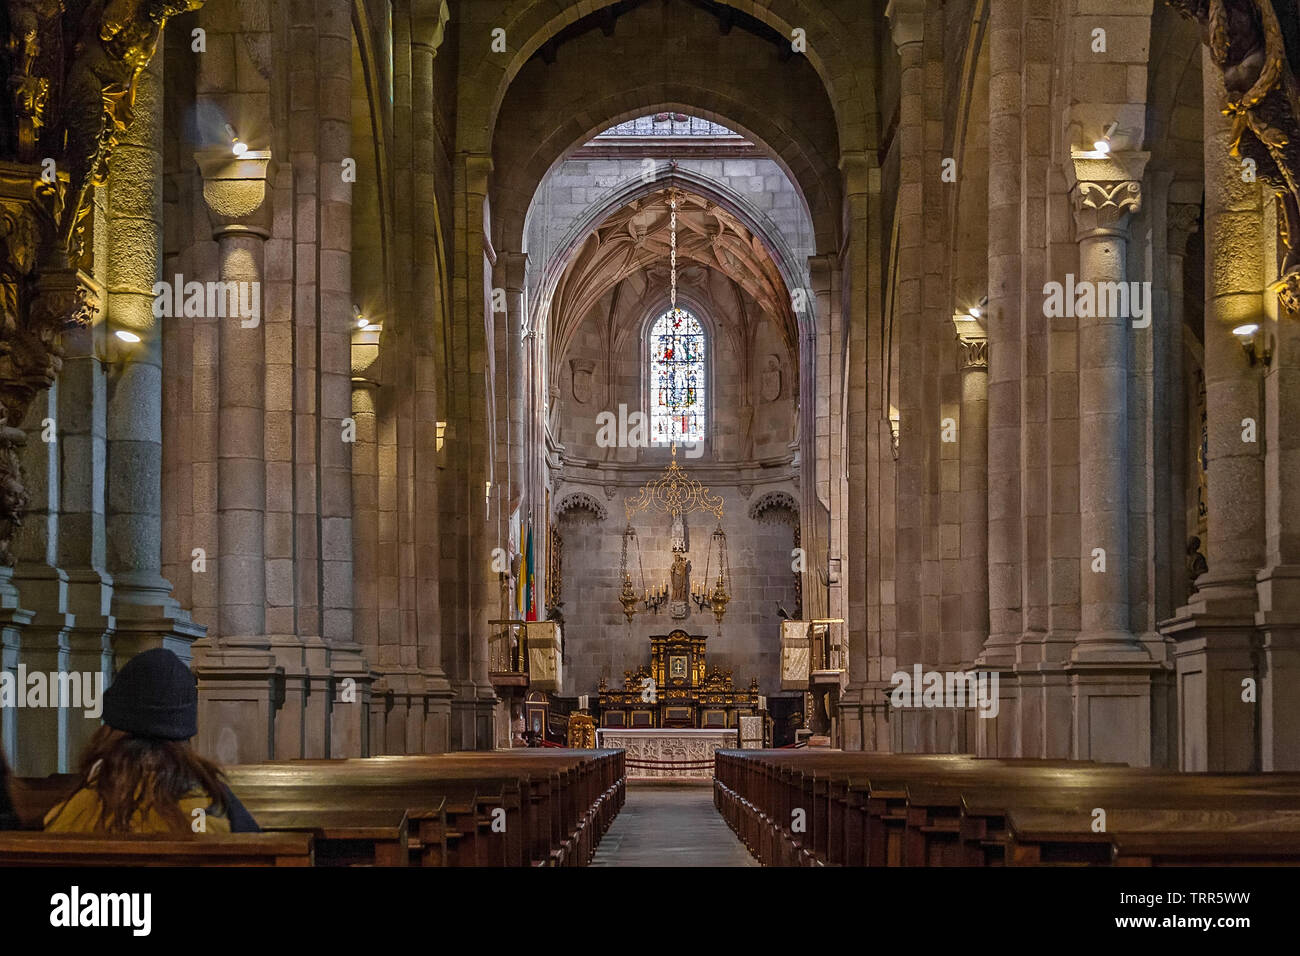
677,690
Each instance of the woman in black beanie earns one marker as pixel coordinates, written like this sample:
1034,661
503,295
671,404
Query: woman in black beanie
139,773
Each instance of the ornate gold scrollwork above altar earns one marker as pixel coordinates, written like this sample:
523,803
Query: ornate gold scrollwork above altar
72,70
676,494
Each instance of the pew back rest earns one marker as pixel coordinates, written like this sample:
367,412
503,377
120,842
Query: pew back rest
75,849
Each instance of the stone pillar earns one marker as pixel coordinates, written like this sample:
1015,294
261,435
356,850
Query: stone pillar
431,291
1003,325
1181,221
511,275
43,586
1105,194
1278,582
1110,670
237,672
472,710
1215,631
146,614
815,535
81,543
907,28
974,451
862,720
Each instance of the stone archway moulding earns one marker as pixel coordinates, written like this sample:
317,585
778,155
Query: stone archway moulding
750,217
581,502
825,51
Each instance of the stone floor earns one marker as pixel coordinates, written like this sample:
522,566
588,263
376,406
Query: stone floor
670,825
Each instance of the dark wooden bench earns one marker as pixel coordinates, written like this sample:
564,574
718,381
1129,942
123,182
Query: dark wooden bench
21,848
510,808
1158,837
928,810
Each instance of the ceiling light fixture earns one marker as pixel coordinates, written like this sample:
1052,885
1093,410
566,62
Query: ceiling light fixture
126,336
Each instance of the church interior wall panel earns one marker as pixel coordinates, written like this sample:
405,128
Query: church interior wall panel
599,642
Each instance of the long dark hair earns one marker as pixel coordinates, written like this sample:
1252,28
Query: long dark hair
137,774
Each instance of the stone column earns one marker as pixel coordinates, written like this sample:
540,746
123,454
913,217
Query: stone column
511,275
1110,671
431,290
907,28
473,707
1278,617
146,614
974,451
1181,220
1278,582
81,542
1215,630
815,534
1003,325
43,586
237,671
862,721
1105,194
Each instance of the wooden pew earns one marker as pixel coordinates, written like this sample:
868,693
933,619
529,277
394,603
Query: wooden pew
1155,838
951,809
444,810
345,837
555,804
21,848
33,797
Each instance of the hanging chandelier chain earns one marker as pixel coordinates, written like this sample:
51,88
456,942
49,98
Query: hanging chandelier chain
672,203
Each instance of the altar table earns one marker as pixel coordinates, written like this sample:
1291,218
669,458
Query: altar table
666,744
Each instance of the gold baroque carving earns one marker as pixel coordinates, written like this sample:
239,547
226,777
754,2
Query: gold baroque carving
1263,99
72,69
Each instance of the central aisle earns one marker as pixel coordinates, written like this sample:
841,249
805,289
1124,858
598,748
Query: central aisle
670,825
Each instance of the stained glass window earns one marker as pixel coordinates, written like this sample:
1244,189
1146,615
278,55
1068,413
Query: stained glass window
676,378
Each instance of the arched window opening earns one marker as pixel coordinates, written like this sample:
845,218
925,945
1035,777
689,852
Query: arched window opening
677,378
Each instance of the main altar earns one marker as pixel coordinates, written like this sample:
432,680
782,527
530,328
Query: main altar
677,690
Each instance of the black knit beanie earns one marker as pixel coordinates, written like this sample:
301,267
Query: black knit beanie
154,695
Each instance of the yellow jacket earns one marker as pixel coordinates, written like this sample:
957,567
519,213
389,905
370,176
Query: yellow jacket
81,813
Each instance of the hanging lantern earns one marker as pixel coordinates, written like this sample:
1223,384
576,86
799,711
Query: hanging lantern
720,594
628,596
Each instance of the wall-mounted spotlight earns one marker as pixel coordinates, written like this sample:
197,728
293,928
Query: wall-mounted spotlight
1103,145
113,353
1248,338
237,145
361,321
974,312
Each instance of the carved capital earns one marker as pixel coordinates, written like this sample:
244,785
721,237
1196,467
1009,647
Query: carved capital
1105,206
235,190
974,353
906,21
1105,190
1181,220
